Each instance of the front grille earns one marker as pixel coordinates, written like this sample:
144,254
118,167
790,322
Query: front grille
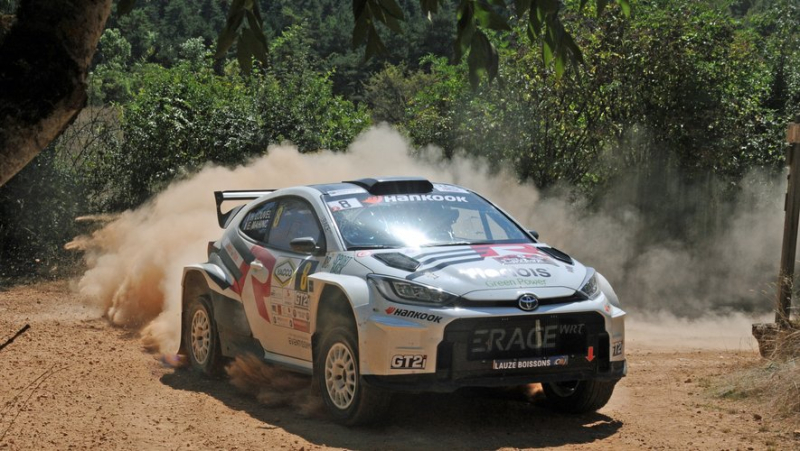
576,297
470,346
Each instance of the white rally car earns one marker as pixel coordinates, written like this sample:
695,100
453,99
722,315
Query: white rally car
399,284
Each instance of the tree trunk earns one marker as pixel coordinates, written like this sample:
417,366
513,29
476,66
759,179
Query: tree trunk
44,63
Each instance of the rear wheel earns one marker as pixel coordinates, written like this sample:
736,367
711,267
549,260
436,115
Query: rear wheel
578,396
202,339
347,398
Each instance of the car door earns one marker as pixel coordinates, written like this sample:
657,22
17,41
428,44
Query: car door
277,300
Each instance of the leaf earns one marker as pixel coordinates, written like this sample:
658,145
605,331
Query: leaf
534,24
482,59
228,34
522,6
360,30
487,18
393,24
391,8
125,6
547,51
255,46
465,28
358,8
559,65
374,44
244,55
625,5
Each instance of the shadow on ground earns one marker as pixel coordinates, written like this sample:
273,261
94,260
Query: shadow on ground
474,419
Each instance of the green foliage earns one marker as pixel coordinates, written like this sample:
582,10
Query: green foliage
156,29
683,85
185,116
298,104
109,80
37,211
179,119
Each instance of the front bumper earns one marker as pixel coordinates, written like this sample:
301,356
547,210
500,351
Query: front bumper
445,349
445,383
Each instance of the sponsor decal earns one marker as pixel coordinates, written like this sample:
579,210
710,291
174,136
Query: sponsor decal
477,253
616,348
301,299
363,253
282,310
326,226
300,325
299,342
521,259
415,198
283,272
339,263
282,321
344,204
521,338
522,364
346,191
233,253
301,314
305,268
258,220
607,308
413,314
518,283
449,189
278,217
409,362
481,273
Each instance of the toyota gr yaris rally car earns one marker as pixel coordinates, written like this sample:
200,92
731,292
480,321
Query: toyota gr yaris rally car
380,285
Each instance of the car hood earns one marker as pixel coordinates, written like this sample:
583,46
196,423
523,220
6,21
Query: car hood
478,271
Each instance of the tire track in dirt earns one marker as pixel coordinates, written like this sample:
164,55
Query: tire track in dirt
109,393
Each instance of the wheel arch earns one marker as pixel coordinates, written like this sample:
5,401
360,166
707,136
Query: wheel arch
195,284
339,296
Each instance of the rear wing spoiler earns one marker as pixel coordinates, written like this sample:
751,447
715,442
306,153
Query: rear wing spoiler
240,195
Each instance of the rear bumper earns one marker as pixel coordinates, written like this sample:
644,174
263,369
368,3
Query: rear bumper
611,371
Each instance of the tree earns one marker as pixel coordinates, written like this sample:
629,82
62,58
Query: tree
44,63
45,57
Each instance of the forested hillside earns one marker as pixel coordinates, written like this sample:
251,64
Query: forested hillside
674,105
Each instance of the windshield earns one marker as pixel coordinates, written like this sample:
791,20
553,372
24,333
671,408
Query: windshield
441,218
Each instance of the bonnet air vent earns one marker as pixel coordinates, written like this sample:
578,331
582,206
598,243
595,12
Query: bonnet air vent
398,260
394,185
557,254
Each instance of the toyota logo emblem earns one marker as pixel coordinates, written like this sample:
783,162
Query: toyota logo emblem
528,302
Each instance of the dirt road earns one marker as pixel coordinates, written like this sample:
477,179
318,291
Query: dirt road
72,381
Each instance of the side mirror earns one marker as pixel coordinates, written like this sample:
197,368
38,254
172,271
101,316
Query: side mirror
534,233
305,245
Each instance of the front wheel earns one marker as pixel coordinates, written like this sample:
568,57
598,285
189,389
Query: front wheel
347,398
202,338
578,396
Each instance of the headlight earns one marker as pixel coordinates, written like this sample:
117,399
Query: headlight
405,292
590,286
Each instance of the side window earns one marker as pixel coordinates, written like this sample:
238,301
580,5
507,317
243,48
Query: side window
257,222
293,219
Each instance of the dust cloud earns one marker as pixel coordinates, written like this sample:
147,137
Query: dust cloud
136,260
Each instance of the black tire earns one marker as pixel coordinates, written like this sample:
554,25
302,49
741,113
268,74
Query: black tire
202,338
578,396
348,400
